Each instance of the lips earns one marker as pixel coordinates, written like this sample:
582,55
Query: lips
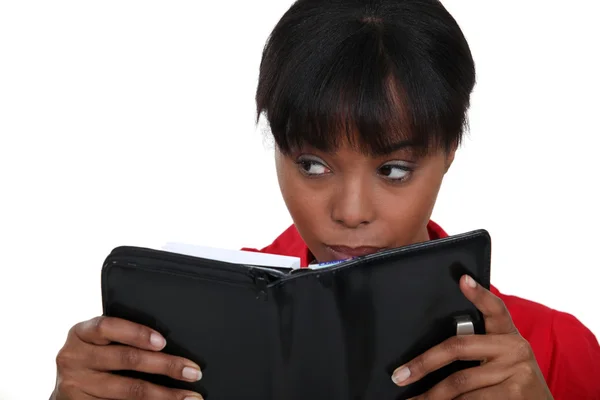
343,252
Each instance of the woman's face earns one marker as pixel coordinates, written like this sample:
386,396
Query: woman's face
347,204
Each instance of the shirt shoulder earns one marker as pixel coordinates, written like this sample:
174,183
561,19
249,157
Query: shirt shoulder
566,351
575,367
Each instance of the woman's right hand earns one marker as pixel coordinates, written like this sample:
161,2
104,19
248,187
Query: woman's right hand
95,348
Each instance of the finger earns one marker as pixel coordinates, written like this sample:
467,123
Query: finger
463,348
125,358
105,330
466,381
496,315
492,392
74,394
115,387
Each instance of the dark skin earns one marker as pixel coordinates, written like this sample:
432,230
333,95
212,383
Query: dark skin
341,199
87,358
352,199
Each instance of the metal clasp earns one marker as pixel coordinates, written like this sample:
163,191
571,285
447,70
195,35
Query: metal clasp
464,325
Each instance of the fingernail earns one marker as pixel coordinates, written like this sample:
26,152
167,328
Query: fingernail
157,341
401,375
471,282
194,398
192,374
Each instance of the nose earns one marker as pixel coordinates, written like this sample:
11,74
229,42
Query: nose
352,204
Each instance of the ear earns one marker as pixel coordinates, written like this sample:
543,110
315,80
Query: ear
450,157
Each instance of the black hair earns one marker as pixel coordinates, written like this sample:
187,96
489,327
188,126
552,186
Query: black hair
369,72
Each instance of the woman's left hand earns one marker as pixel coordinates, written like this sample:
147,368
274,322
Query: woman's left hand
509,369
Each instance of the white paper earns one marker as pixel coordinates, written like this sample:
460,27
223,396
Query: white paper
234,256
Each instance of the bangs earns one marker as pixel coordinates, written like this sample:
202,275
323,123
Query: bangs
357,82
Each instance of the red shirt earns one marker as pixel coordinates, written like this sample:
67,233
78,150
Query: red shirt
566,351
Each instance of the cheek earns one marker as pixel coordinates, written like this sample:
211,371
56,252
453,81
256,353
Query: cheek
306,206
406,213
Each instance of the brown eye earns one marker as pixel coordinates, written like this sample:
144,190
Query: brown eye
395,172
305,165
312,167
386,170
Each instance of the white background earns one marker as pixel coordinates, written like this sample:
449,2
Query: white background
132,122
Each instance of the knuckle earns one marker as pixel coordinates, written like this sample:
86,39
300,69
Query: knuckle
130,358
143,334
64,359
417,366
99,325
74,333
523,350
67,386
454,345
515,391
527,369
458,380
179,395
499,304
498,307
138,390
173,367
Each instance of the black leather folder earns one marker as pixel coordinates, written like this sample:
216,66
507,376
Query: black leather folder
334,333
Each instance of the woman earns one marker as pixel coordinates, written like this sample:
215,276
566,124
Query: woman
367,103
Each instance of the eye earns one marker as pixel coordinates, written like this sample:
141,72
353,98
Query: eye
396,172
311,167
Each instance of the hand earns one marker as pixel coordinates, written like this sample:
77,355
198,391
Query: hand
91,353
508,371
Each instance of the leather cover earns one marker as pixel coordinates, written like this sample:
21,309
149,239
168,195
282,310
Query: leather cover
336,333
